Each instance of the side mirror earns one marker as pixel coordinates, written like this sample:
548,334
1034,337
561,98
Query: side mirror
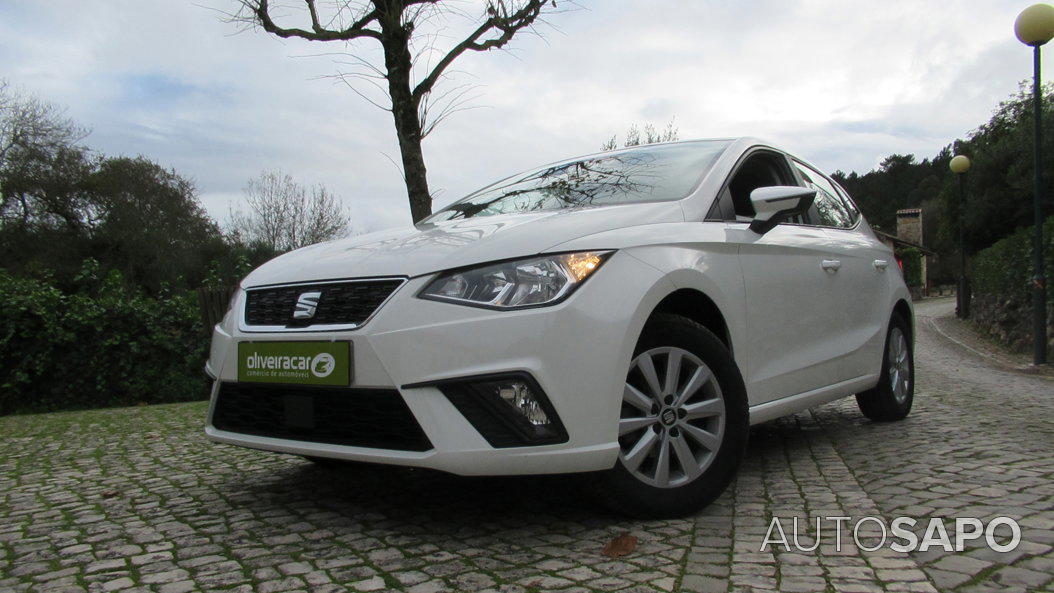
775,204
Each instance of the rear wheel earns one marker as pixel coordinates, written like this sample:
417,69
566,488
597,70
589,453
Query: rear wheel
891,399
683,423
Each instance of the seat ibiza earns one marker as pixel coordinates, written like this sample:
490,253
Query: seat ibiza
629,313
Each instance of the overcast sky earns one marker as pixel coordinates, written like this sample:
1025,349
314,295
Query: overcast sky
841,82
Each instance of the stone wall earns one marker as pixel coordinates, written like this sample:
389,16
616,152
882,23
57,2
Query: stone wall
909,225
1008,318
1002,279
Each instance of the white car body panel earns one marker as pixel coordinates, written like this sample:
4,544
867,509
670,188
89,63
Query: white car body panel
789,297
452,244
863,292
800,335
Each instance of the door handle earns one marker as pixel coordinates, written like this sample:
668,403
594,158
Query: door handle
831,265
881,265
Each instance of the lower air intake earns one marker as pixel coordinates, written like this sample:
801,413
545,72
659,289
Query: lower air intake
374,418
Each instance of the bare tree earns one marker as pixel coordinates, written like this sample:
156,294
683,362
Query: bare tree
408,76
635,136
284,215
40,155
29,123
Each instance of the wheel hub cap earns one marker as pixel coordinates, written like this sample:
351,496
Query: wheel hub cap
668,417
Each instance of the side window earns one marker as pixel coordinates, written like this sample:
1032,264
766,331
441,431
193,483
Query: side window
761,169
722,208
854,212
828,208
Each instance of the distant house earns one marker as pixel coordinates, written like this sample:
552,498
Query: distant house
909,234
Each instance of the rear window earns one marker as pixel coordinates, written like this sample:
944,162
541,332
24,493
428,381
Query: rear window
643,174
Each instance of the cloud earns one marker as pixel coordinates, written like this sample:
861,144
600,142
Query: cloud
841,83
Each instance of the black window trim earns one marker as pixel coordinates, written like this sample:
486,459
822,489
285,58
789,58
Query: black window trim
849,201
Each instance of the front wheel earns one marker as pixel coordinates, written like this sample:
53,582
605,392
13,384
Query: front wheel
683,424
891,399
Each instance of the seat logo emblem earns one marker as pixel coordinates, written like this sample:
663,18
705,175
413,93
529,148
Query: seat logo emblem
306,305
669,417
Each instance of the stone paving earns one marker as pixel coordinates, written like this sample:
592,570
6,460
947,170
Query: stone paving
136,499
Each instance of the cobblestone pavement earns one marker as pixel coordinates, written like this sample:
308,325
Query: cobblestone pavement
135,499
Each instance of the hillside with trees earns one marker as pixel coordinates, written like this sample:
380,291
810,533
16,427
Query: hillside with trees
999,184
103,261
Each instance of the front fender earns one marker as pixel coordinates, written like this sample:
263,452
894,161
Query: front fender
690,255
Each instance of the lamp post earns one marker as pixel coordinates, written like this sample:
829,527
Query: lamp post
959,165
1034,27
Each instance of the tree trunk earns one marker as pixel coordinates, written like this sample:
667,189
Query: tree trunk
397,59
415,174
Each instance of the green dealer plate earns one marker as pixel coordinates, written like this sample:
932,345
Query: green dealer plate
303,363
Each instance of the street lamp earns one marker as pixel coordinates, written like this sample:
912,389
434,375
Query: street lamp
1035,26
959,165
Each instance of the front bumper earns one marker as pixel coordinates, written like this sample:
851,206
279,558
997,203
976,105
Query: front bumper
578,352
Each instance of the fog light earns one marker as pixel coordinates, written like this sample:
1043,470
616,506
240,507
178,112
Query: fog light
508,409
518,395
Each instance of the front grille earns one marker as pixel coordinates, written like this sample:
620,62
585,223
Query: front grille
340,303
374,418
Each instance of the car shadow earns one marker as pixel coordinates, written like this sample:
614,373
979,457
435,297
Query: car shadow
446,502
451,502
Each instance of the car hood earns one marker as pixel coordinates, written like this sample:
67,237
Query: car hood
431,247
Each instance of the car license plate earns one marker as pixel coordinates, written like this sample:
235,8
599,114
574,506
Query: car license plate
303,363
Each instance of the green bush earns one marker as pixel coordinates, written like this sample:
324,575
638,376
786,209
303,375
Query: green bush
1005,268
912,259
102,345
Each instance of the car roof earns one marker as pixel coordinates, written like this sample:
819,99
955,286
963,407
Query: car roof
737,145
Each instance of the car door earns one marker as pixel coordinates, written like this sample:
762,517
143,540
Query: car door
788,293
859,263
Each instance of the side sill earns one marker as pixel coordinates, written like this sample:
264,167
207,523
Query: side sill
802,401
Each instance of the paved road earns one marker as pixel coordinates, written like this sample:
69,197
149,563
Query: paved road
136,500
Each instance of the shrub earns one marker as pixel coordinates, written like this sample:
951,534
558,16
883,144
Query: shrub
912,259
1002,282
1005,268
102,345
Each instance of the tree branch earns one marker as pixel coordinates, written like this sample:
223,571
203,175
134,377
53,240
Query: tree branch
315,25
357,29
501,20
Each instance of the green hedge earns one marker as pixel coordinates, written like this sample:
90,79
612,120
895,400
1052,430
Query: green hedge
104,345
912,259
1005,268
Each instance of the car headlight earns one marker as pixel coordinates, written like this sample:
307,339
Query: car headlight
518,284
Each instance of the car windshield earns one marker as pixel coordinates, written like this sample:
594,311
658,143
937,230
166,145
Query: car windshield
643,174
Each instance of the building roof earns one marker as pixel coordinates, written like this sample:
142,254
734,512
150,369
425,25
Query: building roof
898,241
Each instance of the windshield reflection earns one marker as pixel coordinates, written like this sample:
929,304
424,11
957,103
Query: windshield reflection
642,174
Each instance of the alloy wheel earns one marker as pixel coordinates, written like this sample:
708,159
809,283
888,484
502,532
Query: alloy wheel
673,417
899,365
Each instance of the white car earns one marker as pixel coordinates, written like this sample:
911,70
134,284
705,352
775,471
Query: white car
630,313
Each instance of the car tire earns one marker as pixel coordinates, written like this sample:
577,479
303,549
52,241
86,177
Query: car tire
891,399
708,426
